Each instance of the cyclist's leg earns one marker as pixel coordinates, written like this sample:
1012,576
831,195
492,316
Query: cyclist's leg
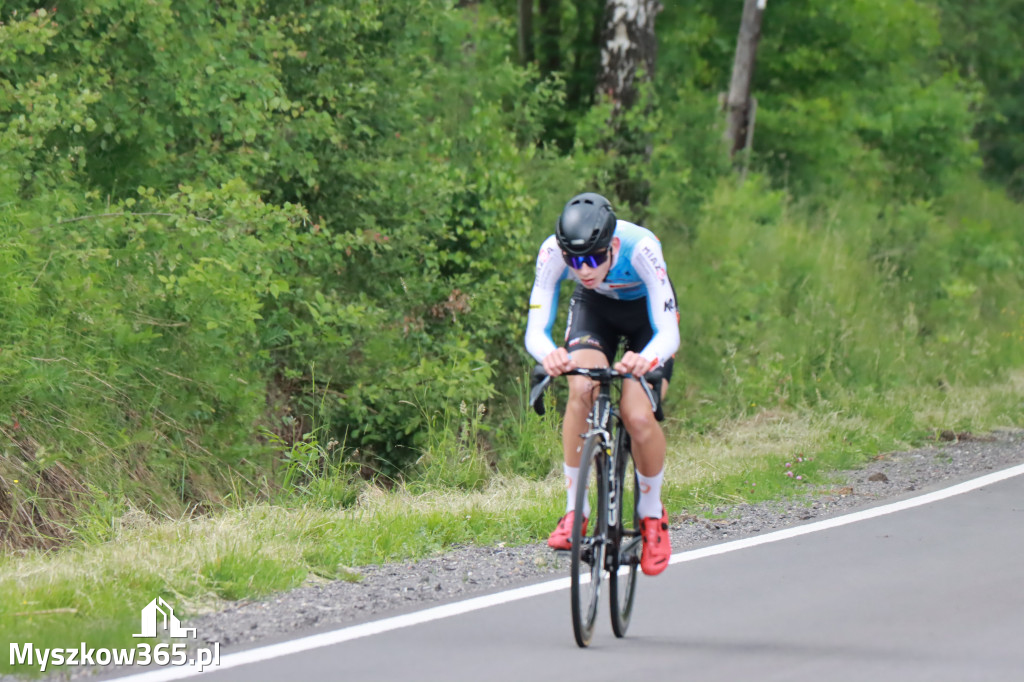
585,342
574,424
644,430
581,399
590,343
647,436
648,442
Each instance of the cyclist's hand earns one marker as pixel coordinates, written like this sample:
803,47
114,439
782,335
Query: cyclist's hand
634,363
558,362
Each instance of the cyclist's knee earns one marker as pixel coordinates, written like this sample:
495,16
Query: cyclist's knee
581,393
638,418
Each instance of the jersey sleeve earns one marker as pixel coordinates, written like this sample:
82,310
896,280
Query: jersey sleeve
551,270
662,307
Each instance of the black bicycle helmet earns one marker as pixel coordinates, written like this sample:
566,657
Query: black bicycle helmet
586,225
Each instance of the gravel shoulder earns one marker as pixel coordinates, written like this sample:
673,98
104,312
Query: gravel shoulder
469,571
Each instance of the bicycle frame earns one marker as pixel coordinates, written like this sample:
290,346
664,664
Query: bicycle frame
605,421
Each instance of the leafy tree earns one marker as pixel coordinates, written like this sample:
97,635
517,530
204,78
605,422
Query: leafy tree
849,93
982,39
862,82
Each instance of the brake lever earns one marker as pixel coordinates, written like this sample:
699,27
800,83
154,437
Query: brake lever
648,392
537,392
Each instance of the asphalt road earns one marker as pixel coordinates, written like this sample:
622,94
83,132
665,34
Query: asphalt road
934,592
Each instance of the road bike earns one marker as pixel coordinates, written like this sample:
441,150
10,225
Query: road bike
611,543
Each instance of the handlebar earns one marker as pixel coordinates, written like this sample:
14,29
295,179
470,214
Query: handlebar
540,380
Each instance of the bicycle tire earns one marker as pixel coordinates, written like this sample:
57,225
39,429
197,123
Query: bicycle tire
588,550
625,560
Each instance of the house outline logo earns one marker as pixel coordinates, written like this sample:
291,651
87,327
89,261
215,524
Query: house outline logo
160,610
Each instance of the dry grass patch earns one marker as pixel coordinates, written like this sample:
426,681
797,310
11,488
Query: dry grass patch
985,407
744,444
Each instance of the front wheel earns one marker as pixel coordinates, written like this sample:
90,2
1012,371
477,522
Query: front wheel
623,567
588,544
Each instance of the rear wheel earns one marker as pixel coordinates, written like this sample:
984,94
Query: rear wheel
623,567
588,544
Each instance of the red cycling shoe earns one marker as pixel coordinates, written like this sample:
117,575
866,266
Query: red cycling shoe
561,536
657,545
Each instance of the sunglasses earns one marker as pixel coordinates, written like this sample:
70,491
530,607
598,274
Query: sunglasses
592,259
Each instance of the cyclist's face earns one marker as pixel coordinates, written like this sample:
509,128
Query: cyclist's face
591,277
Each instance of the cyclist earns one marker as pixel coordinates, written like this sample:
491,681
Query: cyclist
622,292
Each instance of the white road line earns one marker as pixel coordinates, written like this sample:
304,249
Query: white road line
476,603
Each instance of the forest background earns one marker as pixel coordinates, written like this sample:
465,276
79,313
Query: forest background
279,252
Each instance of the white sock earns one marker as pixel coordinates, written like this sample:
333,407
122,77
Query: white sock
650,495
572,475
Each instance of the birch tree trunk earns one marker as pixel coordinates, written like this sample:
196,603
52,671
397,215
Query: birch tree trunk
628,54
628,50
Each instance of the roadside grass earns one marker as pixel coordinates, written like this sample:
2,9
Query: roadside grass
776,454
92,592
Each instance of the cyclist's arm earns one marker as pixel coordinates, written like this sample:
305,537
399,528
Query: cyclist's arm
661,304
551,270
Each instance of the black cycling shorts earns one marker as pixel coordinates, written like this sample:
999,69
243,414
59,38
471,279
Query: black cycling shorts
603,323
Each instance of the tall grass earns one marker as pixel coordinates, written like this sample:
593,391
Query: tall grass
784,305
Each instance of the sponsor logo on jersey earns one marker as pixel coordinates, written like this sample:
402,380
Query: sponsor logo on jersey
585,340
544,256
656,263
